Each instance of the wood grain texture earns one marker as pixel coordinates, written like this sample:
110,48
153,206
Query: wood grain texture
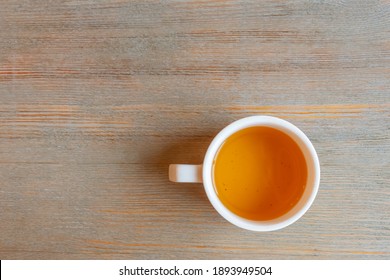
97,98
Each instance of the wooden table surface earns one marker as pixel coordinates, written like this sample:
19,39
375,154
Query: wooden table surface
97,98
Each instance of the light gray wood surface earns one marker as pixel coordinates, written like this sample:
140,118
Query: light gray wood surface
97,98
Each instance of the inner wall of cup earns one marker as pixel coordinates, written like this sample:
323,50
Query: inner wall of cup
302,205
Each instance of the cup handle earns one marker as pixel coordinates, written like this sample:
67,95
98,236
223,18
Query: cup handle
185,173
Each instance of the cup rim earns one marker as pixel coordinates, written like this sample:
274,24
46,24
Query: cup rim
310,190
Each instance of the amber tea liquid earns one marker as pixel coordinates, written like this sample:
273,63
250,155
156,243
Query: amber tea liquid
259,173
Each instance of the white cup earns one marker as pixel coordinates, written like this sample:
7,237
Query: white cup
186,173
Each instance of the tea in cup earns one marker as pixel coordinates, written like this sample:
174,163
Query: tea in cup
260,173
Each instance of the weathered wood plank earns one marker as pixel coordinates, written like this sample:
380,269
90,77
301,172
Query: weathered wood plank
97,98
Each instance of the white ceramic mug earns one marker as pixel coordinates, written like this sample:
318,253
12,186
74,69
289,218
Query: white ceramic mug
186,173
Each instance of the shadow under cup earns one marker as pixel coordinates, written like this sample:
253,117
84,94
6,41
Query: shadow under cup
221,202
